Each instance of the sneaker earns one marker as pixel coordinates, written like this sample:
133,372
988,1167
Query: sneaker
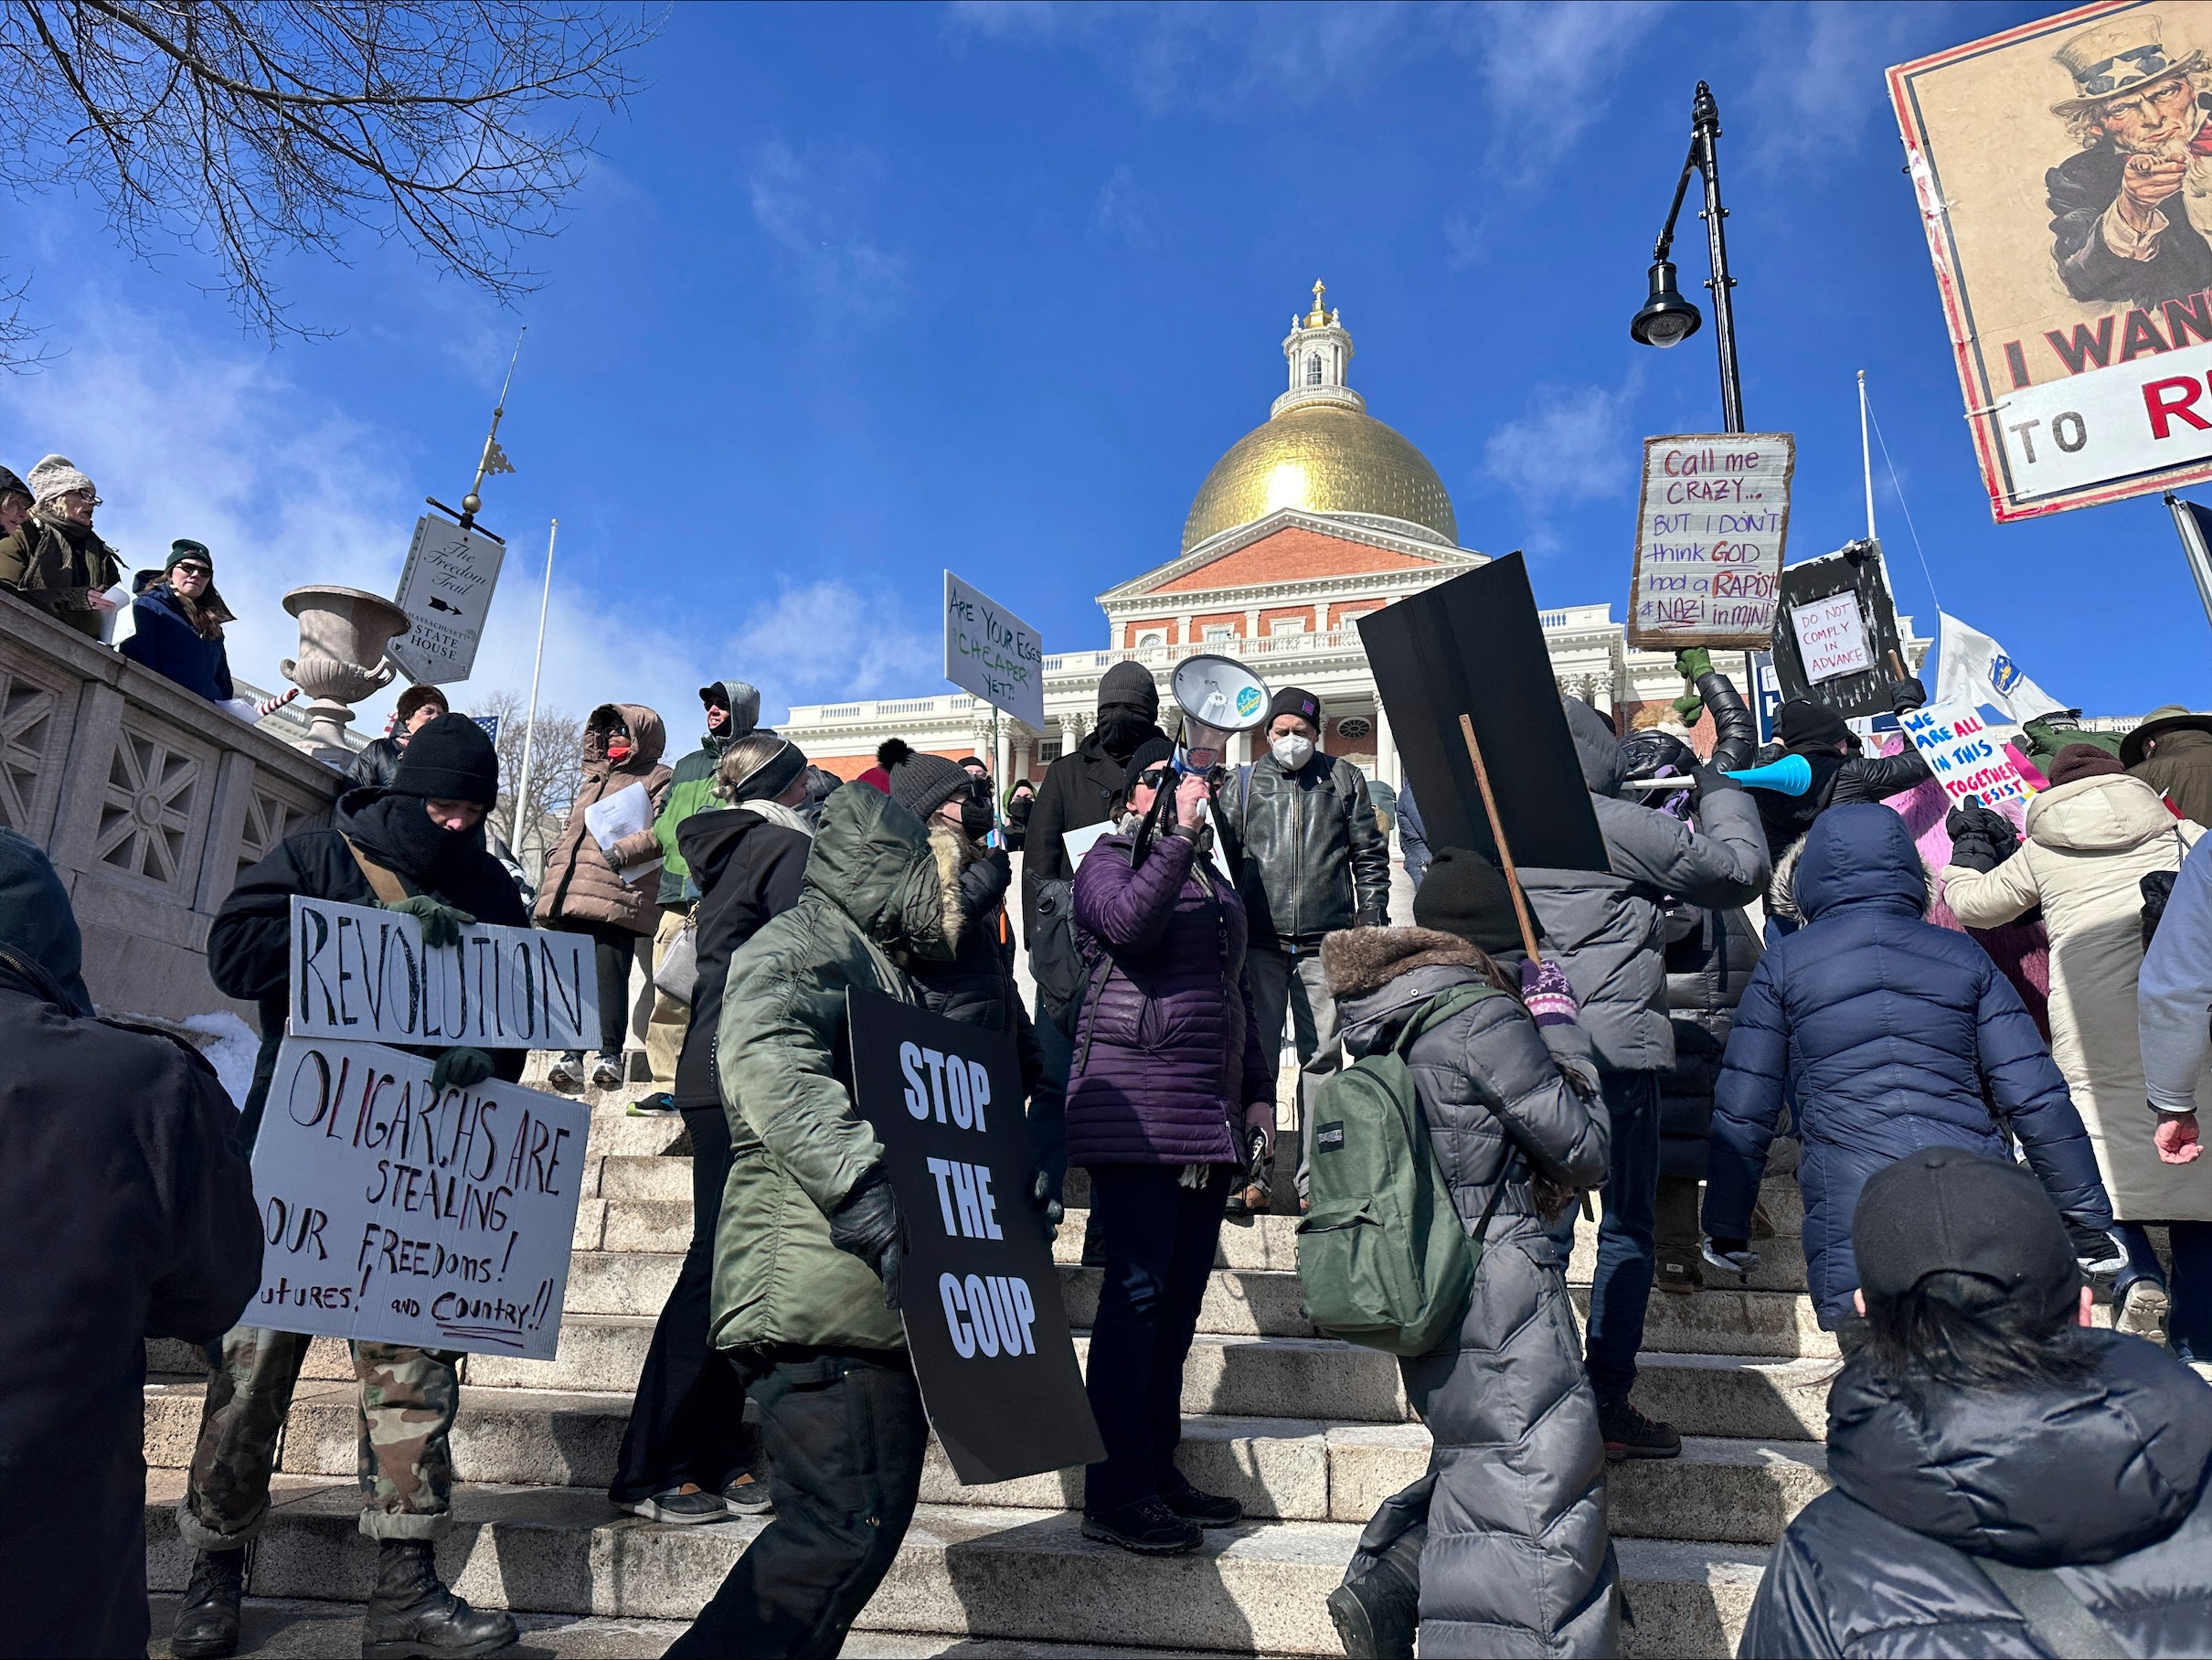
686,1506
662,1105
1148,1528
607,1072
1677,1271
2143,1311
568,1072
1630,1434
1206,1509
747,1495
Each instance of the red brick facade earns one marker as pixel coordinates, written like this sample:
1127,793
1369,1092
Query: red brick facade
1292,554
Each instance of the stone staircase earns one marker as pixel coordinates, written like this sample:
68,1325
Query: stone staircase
1311,1434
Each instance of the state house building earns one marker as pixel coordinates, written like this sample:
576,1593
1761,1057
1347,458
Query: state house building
1311,520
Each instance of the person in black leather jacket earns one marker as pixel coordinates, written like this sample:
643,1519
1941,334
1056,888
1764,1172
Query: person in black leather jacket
1991,1450
1840,773
375,766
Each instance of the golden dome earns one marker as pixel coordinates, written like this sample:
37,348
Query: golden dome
1324,458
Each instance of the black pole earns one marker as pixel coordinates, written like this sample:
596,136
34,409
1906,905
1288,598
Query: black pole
1704,127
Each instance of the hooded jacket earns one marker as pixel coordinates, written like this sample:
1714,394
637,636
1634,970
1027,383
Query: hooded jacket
130,1215
1606,928
1309,853
248,944
2102,1477
583,880
691,784
870,898
2090,844
2182,772
1890,1034
1516,1561
1168,1054
747,870
1838,781
52,566
164,639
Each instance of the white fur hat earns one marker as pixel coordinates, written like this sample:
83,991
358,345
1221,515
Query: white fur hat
55,475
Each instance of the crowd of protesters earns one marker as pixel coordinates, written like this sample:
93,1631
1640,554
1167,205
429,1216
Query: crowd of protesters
1788,962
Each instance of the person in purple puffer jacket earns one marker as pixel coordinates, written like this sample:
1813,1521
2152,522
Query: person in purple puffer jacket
1169,1071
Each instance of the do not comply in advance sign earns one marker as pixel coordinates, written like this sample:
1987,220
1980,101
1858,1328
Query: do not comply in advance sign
983,1318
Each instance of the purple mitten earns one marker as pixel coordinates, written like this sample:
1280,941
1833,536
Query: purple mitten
1545,990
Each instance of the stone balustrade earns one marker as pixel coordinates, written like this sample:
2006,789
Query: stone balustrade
150,800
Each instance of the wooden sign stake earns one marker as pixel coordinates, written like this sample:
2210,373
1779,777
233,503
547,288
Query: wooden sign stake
1498,831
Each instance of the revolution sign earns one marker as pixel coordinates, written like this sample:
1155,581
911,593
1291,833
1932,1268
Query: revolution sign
400,1215
1711,529
983,1318
365,974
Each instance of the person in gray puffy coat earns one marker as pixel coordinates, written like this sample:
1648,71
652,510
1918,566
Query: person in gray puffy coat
1506,1535
1608,928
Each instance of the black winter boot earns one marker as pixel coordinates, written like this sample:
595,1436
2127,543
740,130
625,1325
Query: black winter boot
1377,1609
412,1616
206,1626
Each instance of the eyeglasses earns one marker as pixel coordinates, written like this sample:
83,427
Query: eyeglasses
86,497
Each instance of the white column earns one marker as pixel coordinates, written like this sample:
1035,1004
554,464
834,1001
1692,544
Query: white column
1386,747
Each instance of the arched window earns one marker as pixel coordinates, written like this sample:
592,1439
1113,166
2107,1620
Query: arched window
1312,369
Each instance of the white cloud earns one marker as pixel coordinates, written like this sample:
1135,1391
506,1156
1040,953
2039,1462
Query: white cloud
814,205
1815,91
826,641
1573,443
1122,212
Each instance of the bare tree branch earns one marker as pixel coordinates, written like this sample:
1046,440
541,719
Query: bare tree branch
247,133
556,773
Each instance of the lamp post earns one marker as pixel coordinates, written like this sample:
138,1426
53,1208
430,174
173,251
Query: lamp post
1669,319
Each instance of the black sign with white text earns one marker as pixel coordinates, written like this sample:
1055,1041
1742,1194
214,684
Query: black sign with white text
983,1318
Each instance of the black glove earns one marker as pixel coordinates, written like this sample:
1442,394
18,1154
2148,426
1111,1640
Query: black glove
1050,1210
1712,781
1906,695
1980,839
869,1225
462,1069
2096,1250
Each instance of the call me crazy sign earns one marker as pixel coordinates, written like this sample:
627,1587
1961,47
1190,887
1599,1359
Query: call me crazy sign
983,1318
364,974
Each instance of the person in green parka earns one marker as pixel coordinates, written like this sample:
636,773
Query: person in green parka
808,1250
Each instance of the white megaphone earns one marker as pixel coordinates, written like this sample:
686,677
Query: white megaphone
1220,698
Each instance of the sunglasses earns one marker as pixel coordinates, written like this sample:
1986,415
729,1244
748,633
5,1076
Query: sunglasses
1156,778
191,570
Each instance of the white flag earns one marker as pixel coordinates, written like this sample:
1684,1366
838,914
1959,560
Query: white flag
1975,670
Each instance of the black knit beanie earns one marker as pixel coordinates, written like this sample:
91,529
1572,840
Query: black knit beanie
1465,894
1803,721
450,760
1130,685
1295,700
1149,754
922,784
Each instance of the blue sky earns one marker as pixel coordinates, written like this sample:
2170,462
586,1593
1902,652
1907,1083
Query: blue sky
853,293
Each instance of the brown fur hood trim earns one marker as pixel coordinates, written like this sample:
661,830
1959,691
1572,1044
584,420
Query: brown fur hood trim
954,853
1359,960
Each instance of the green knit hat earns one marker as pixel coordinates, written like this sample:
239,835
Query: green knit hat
185,548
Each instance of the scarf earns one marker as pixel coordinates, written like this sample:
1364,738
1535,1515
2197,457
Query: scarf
776,813
207,614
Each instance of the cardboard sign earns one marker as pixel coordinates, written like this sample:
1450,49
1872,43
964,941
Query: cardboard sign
1966,753
395,1215
1855,571
1830,637
1474,646
1711,528
2071,252
365,974
445,590
983,1318
993,653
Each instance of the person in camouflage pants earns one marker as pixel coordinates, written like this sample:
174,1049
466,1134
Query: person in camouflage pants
408,1400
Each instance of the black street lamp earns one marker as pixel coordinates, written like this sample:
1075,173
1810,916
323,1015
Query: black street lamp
1667,318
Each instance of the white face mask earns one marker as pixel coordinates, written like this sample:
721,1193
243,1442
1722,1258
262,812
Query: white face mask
1292,752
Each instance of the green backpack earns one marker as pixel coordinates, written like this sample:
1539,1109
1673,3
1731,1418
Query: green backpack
1383,1259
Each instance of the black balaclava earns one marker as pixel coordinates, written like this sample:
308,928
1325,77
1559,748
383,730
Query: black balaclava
1129,708
449,759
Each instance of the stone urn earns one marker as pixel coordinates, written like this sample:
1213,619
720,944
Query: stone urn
343,635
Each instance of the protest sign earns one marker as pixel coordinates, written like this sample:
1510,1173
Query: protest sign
400,1216
1474,646
1710,531
983,1318
1965,755
1973,669
445,590
2063,207
1830,637
993,653
1853,573
363,973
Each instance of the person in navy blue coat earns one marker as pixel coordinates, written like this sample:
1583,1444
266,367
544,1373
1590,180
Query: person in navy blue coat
177,624
1892,1035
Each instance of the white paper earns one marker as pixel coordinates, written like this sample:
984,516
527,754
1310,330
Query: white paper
625,813
397,1216
1830,637
364,973
1079,842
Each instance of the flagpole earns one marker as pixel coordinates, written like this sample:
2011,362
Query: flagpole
2193,548
529,730
1866,455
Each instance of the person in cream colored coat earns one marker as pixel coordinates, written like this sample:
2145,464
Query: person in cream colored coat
2091,838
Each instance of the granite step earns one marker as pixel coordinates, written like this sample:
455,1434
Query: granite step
1015,1575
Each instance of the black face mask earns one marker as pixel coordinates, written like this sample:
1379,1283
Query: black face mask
975,819
1122,729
